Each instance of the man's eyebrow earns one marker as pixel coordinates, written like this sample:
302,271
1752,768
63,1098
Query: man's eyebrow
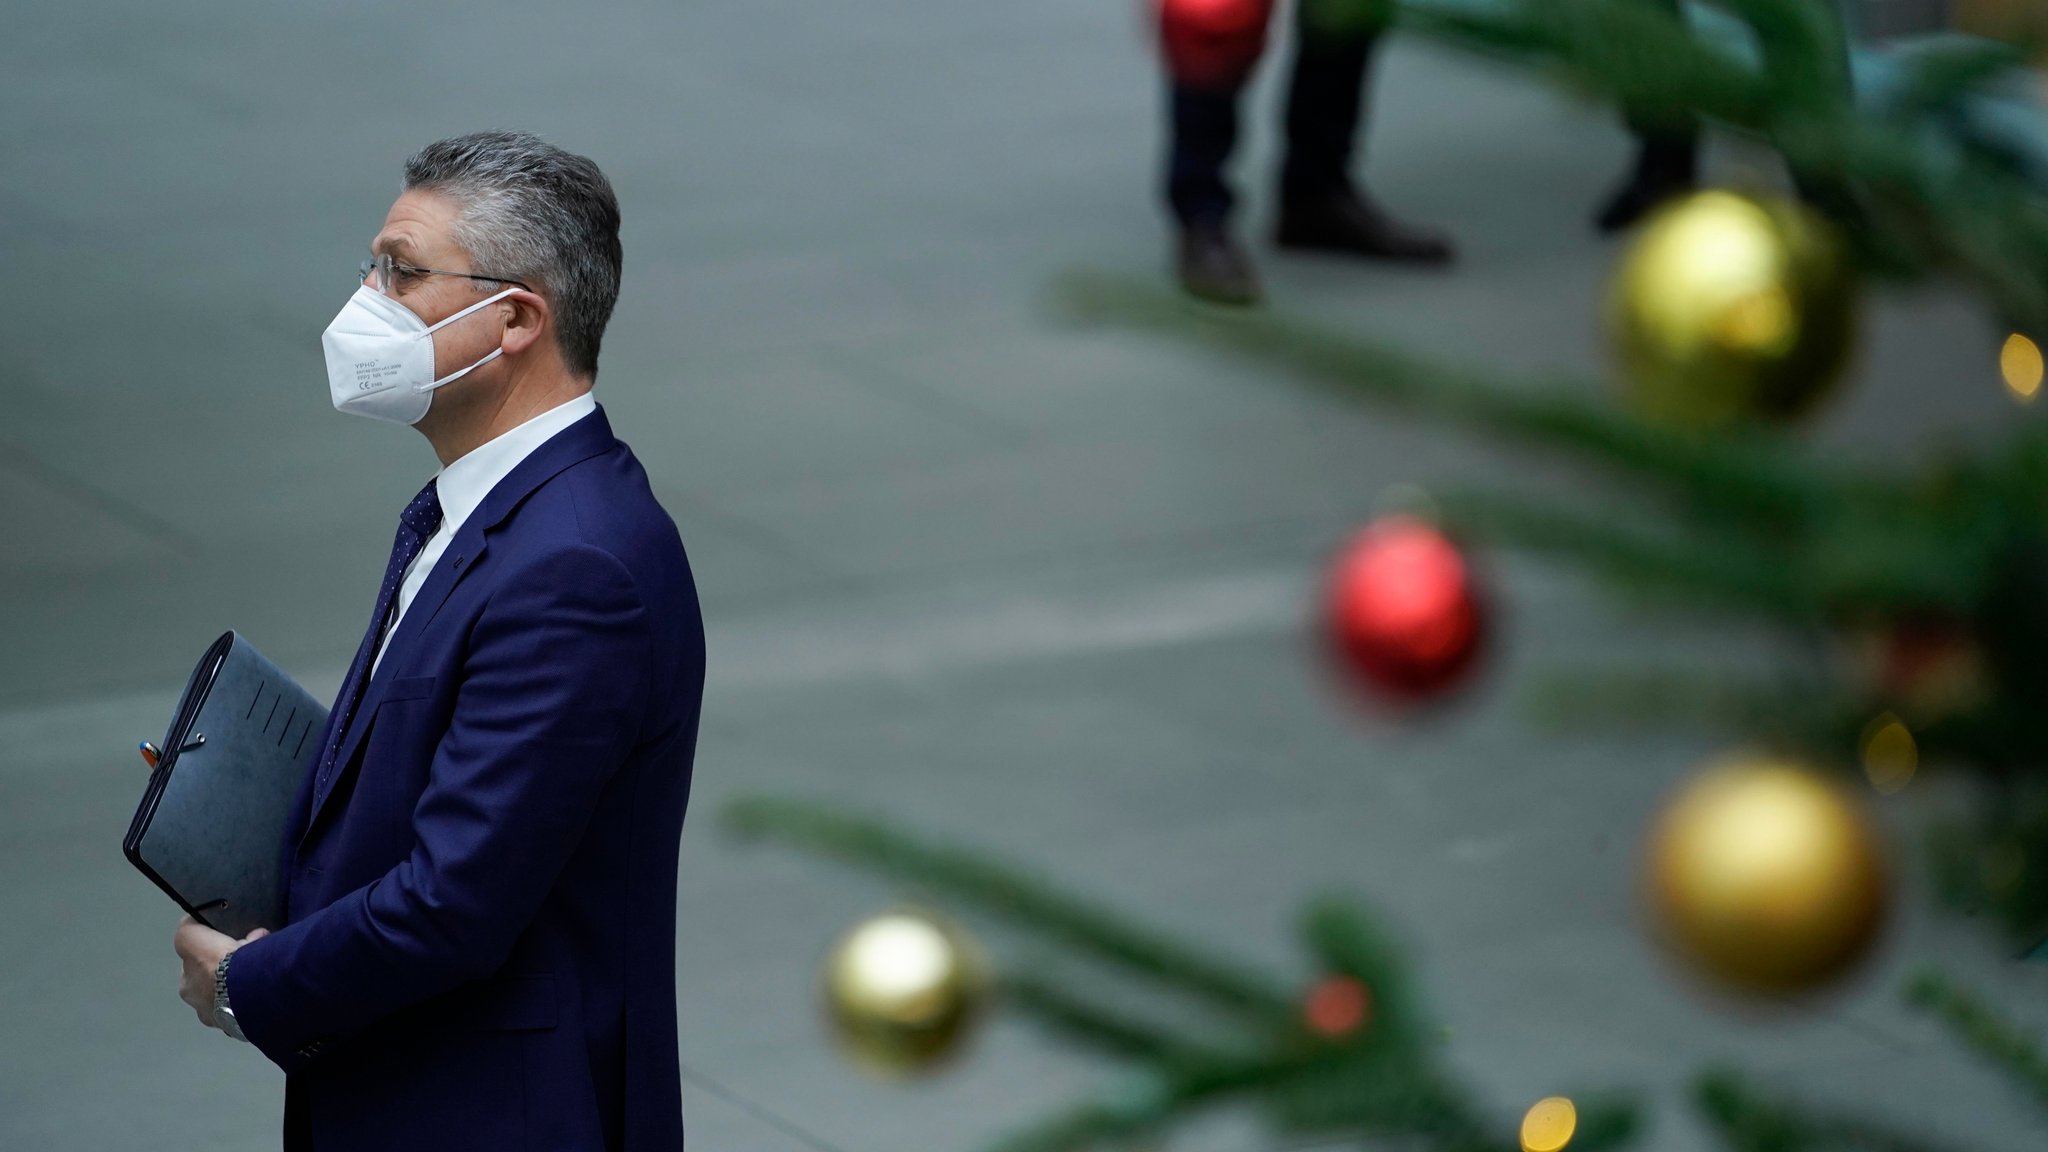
398,246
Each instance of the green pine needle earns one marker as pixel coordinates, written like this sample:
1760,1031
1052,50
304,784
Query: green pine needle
1021,900
1749,1121
2012,1052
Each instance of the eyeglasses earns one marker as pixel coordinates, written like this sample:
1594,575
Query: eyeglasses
389,272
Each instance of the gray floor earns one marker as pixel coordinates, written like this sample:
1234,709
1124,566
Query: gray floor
1040,590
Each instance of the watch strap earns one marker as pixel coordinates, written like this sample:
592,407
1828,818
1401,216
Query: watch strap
224,1016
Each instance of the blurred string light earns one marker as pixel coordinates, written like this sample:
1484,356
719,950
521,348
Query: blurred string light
1338,1006
1890,754
2020,363
1548,1125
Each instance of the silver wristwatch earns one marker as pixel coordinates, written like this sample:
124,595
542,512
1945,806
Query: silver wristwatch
223,1015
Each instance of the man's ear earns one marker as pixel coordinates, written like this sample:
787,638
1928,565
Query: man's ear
527,323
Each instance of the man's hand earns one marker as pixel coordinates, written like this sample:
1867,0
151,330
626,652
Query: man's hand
201,948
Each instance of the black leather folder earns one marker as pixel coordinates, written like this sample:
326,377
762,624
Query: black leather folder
210,829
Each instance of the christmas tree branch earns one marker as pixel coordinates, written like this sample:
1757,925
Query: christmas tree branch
1344,941
1080,1127
1826,721
1812,715
1144,1103
1747,473
1636,54
1605,1123
1764,530
1381,1079
2018,1056
1095,1025
1997,860
1020,900
1940,77
1375,1076
1749,1122
1932,203
1731,572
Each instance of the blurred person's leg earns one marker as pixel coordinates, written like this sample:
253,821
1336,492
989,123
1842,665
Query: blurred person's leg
1321,207
1666,165
1203,128
1210,48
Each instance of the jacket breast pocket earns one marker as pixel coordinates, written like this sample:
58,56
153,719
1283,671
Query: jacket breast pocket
409,688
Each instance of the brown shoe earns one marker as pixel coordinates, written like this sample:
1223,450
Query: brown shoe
1212,267
1345,220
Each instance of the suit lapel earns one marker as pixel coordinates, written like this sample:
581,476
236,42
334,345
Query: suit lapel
578,442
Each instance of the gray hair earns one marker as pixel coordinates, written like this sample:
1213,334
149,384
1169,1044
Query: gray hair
537,214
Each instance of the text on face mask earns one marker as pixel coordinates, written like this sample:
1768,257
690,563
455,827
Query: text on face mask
374,374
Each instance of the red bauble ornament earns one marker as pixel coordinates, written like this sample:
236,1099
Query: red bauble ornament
1404,614
1212,42
1338,1006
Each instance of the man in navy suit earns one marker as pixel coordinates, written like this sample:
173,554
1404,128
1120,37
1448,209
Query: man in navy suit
479,947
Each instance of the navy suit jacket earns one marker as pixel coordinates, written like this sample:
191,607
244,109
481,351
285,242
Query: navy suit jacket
479,947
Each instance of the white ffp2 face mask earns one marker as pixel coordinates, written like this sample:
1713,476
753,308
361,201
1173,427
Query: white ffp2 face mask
380,357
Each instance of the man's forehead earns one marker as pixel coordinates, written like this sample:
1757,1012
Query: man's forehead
417,227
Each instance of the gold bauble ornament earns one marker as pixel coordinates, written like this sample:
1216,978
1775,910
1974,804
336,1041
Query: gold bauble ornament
902,989
1766,875
1731,307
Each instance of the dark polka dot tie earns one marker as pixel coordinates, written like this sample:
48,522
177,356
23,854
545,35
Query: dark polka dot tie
415,525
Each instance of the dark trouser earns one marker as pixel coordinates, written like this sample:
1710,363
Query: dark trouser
1325,98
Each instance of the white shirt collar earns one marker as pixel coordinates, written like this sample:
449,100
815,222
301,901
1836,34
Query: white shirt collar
464,484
